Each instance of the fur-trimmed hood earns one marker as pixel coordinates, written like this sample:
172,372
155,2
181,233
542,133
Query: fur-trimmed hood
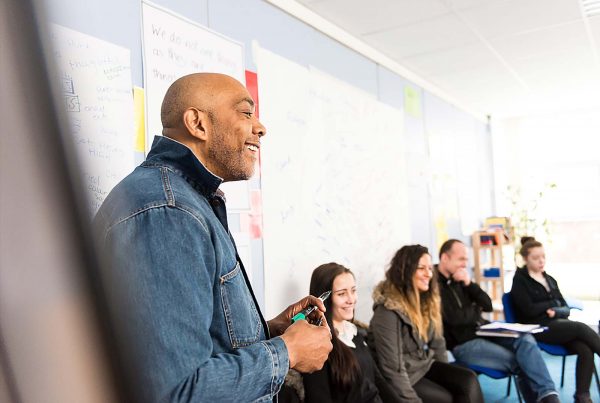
387,294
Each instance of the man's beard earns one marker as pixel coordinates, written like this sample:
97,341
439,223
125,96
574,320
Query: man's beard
231,162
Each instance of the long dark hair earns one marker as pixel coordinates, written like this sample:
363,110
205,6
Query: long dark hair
344,366
423,308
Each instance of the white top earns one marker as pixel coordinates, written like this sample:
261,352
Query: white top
347,333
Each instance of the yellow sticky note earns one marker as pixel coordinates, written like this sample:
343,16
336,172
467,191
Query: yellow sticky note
140,125
441,229
412,101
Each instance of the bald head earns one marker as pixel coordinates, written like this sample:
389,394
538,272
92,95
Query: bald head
214,116
199,90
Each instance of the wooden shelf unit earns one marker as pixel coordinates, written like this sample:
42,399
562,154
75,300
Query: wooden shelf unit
488,256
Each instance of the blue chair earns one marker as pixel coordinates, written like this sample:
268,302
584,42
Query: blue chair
552,349
509,313
496,374
491,372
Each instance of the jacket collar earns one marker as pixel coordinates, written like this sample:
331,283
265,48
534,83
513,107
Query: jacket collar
387,294
441,278
522,271
166,152
446,281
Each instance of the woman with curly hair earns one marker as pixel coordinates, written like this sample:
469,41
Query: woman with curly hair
407,336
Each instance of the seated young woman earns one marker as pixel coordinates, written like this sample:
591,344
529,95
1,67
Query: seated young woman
349,374
406,333
537,299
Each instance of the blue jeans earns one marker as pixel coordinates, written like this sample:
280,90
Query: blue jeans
520,356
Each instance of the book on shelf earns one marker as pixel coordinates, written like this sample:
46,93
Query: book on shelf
502,329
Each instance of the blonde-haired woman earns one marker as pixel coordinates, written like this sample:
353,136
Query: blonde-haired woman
406,334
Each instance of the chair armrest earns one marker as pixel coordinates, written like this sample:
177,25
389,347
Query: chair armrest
574,303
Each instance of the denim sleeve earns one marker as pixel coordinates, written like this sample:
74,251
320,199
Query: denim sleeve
164,261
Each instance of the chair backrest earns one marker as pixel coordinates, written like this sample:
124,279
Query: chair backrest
509,312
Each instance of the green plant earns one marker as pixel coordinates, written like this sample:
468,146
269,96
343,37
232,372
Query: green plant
526,215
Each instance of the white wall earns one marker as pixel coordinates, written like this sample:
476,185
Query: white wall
561,148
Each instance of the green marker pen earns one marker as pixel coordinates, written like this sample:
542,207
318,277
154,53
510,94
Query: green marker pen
303,314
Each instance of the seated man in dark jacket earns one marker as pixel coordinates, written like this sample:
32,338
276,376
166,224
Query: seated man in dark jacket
462,304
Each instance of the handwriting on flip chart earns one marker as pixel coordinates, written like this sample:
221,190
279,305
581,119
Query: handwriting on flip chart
95,84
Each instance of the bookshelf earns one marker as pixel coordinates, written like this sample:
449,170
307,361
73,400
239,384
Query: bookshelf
492,254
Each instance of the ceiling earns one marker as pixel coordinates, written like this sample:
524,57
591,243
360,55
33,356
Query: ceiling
497,57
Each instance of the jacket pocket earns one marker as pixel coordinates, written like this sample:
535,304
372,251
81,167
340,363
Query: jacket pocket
241,316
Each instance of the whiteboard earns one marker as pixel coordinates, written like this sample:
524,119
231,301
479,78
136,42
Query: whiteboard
96,89
469,175
174,46
333,181
443,183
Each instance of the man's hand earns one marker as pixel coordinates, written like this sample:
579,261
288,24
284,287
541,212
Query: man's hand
550,312
308,345
281,322
462,275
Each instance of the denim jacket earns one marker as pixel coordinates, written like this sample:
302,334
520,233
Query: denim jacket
190,307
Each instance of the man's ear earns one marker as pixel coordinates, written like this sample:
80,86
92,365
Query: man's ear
196,122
